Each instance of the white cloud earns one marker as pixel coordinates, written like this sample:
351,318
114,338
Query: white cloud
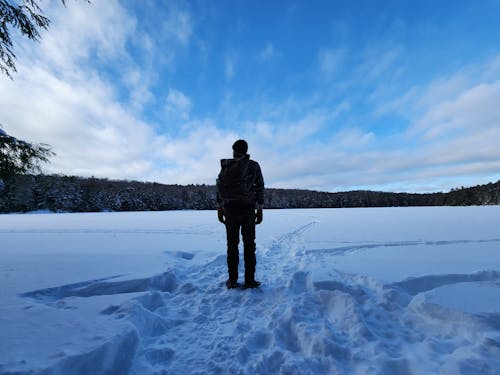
283,135
178,104
440,90
178,25
138,84
194,157
58,98
80,32
453,135
473,110
89,131
352,138
453,141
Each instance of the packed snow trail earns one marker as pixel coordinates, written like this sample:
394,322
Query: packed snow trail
186,322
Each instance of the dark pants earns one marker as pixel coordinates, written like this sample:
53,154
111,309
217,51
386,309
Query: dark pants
240,218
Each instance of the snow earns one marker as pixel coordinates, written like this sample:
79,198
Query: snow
347,291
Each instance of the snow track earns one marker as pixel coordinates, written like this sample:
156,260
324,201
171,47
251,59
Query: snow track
184,321
350,249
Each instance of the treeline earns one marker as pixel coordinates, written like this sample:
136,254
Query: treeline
77,194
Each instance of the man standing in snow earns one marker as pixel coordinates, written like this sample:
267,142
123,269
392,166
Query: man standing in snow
240,199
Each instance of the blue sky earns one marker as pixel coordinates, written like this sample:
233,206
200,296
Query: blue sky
331,95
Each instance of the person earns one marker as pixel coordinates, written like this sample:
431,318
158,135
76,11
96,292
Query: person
240,202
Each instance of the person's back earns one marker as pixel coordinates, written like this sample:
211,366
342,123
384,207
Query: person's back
240,192
240,182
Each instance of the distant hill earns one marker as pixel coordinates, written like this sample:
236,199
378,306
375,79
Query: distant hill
77,194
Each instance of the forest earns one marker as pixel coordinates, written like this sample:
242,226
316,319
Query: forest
57,193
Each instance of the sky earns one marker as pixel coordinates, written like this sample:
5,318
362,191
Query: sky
330,95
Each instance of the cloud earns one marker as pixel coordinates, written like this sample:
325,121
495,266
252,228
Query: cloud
288,134
138,84
91,133
452,139
473,110
59,98
452,134
352,138
83,91
178,104
194,157
178,25
81,32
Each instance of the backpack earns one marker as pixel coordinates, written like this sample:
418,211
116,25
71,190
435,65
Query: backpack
235,181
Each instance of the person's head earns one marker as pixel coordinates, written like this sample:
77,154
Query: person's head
240,148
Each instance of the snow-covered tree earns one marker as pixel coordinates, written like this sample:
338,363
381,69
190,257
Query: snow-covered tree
19,157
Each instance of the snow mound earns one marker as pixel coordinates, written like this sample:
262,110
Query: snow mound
165,282
417,285
112,357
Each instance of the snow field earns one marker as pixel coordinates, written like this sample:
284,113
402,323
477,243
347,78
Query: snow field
331,301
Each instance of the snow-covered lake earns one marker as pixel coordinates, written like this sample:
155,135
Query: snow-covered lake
347,291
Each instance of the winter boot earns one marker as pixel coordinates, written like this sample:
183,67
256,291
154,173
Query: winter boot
252,285
232,284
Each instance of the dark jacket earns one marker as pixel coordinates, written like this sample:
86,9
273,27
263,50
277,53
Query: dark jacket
253,179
